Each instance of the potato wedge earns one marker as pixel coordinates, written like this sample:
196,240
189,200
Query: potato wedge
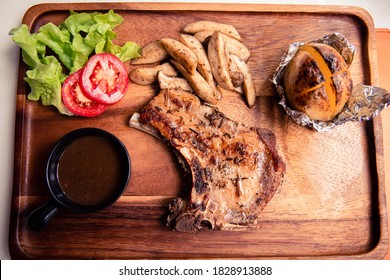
148,75
235,73
234,46
203,67
202,36
151,53
203,25
198,83
181,53
218,61
176,83
247,85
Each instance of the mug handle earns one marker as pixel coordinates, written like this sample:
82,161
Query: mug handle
39,218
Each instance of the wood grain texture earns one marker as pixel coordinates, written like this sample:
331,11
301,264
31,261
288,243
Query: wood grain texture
331,204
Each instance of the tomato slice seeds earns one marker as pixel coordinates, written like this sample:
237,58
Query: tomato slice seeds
76,102
104,79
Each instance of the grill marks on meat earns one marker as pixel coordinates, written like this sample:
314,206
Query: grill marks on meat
235,169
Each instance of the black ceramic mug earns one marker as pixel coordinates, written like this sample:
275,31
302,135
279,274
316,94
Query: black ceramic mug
87,170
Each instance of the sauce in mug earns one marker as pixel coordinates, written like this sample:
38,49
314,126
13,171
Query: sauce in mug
89,170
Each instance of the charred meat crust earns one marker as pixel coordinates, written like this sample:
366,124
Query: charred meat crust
235,169
199,177
269,138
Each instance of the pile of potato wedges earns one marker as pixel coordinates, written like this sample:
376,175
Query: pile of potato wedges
207,56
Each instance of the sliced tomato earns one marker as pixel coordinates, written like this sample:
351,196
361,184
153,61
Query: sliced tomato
76,102
104,79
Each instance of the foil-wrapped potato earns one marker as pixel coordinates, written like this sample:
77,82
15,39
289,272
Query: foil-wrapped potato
317,81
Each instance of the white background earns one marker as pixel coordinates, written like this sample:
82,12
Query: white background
12,13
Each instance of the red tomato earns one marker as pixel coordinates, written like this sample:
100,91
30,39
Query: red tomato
104,79
76,102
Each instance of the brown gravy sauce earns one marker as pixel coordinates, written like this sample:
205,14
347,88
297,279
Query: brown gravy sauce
89,170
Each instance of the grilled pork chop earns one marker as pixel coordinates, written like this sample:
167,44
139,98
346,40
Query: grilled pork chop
235,169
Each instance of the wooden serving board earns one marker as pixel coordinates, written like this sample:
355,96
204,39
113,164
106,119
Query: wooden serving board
331,204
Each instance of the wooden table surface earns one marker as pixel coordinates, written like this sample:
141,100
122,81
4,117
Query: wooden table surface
383,43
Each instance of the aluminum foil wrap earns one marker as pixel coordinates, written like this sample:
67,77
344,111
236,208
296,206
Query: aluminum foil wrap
365,102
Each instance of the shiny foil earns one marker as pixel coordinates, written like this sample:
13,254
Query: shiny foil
365,103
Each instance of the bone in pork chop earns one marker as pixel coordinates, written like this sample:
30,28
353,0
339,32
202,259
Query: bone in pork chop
235,169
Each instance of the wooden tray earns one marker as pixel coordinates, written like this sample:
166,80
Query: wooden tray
332,201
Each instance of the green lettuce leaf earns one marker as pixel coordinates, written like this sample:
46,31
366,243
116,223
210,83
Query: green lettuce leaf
78,22
98,36
81,52
58,41
45,83
128,51
32,50
111,18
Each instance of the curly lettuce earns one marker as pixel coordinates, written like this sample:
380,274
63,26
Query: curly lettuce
71,43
